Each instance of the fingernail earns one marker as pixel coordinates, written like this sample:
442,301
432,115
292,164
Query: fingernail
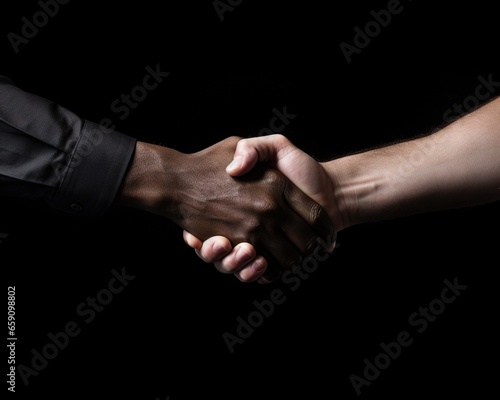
258,267
220,249
236,163
242,256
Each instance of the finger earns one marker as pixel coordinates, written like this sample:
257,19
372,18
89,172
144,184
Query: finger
313,214
253,271
214,249
239,257
250,151
191,240
299,232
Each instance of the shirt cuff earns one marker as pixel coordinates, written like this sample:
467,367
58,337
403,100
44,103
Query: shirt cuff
94,175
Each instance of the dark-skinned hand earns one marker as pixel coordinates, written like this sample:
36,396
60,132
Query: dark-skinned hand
263,208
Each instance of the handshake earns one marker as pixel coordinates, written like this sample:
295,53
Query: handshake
253,207
256,207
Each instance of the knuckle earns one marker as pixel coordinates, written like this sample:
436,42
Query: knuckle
281,140
273,176
268,206
234,138
252,226
315,212
263,207
243,143
226,267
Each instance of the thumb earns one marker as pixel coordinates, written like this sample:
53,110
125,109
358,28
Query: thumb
251,151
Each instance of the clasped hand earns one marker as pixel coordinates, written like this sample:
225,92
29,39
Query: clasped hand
281,216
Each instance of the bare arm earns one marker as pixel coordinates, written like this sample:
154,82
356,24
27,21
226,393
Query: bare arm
458,166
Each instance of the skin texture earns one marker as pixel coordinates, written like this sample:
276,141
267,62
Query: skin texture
262,207
457,166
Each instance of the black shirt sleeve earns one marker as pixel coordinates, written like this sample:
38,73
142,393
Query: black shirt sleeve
47,152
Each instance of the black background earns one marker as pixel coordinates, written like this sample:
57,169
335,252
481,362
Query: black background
162,336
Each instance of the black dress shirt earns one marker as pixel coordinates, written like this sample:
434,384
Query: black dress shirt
47,152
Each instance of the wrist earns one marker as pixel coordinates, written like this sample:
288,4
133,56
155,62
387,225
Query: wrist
151,180
338,204
359,191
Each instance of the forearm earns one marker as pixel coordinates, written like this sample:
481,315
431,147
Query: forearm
151,180
457,166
